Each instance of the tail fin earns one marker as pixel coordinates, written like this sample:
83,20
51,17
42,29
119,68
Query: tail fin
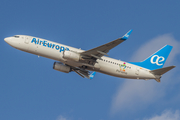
157,60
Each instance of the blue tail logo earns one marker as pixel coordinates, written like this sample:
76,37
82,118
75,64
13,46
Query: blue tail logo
157,60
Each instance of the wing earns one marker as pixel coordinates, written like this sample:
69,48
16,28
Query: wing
84,73
102,50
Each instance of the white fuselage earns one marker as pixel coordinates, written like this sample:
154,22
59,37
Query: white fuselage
53,50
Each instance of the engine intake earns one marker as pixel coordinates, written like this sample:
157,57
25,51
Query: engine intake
62,68
71,56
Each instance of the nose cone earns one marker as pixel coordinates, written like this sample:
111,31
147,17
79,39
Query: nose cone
10,41
7,40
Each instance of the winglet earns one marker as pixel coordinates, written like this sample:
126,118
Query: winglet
125,37
91,76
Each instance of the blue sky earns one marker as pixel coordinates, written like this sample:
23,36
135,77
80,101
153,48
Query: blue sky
30,89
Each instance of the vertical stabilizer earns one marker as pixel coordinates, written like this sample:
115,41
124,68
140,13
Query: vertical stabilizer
157,60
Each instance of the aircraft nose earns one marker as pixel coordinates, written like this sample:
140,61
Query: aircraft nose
6,40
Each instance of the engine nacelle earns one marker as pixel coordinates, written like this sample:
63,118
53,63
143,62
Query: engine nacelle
60,67
71,56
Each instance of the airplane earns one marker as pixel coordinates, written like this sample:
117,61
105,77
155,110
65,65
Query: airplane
69,59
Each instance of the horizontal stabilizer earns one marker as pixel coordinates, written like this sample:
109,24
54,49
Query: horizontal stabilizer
161,71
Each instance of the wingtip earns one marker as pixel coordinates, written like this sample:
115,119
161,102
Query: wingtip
92,75
173,66
126,36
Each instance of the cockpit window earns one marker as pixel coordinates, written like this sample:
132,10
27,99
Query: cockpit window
16,36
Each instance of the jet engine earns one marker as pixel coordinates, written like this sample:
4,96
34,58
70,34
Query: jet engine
71,56
60,67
